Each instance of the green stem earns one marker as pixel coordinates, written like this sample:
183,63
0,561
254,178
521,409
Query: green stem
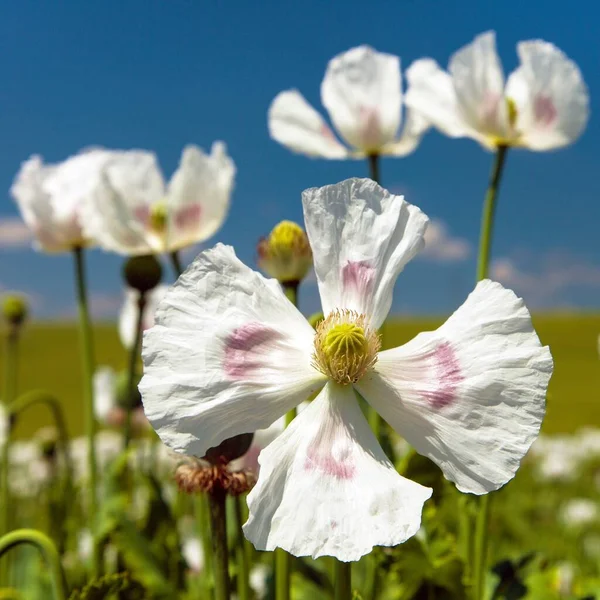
176,262
374,173
243,576
489,212
131,373
203,529
88,366
10,390
483,263
218,518
343,581
48,551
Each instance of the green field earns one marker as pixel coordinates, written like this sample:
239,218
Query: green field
49,359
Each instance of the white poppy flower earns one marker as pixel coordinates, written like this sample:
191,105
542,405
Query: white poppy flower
230,354
134,212
543,106
362,91
193,554
51,198
579,511
129,313
105,393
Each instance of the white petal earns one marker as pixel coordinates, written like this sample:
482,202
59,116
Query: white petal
198,195
294,123
550,95
229,354
361,237
105,399
361,91
129,313
431,95
415,125
479,86
327,489
34,204
118,215
470,395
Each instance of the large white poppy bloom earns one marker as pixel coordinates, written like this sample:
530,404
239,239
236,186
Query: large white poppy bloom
362,91
544,104
230,354
134,212
51,198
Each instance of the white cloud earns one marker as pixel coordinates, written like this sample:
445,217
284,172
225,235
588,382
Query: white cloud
441,246
543,280
14,233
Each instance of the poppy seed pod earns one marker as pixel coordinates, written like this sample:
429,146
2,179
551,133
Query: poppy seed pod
142,273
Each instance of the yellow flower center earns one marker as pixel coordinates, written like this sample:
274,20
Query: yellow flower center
158,217
345,347
287,239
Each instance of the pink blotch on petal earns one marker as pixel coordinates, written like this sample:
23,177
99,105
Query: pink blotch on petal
328,134
188,216
370,127
544,111
320,459
358,277
142,214
245,348
447,376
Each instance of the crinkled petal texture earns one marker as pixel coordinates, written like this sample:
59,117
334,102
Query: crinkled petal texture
35,207
470,395
294,123
118,216
198,195
229,354
362,93
550,95
361,237
327,488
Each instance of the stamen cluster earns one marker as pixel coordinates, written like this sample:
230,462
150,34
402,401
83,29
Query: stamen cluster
345,347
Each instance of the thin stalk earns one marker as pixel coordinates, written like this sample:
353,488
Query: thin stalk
134,353
483,262
243,576
373,415
88,366
218,518
203,529
342,587
48,552
283,561
176,262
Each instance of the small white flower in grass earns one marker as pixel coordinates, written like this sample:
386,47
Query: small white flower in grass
362,91
134,212
193,554
579,511
230,354
51,198
542,106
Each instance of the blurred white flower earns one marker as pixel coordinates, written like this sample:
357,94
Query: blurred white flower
85,543
133,212
543,106
129,311
362,91
258,580
579,511
4,426
557,458
193,554
51,197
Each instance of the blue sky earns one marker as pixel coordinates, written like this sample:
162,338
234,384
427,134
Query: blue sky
158,75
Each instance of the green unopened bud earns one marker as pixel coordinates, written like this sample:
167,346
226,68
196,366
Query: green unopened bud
142,273
14,309
285,254
125,398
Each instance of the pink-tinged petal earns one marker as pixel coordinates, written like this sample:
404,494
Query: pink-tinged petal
229,354
470,395
550,96
248,349
294,123
188,217
361,237
362,93
327,488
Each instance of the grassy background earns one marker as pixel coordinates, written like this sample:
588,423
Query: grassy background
50,360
